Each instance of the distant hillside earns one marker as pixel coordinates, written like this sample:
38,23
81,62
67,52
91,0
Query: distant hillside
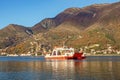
12,34
95,24
77,27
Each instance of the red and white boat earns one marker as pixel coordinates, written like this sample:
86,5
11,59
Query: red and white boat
65,53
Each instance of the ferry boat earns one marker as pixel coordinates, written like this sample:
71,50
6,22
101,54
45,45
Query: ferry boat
65,53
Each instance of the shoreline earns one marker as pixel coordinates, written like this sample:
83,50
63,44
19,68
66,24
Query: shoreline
103,55
85,55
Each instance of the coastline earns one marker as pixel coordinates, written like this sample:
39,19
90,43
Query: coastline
103,55
85,55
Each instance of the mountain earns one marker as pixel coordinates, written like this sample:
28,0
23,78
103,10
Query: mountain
83,17
77,27
12,34
95,24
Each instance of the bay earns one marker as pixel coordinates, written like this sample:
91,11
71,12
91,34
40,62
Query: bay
38,68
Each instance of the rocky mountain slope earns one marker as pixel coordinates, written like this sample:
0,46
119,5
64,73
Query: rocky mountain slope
13,34
77,27
95,24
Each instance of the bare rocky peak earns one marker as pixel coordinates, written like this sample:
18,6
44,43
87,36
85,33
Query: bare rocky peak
46,23
72,11
14,26
86,16
14,29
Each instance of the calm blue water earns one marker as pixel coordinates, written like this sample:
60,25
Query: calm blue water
37,68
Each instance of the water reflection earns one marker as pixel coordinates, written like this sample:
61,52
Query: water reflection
60,70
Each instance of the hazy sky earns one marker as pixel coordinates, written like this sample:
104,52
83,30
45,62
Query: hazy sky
30,12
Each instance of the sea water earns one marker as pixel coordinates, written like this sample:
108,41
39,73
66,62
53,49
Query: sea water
38,68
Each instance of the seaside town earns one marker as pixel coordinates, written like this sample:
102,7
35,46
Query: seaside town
43,50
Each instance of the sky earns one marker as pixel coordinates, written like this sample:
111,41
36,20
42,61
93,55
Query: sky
30,12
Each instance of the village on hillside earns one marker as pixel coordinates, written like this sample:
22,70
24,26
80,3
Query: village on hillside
38,50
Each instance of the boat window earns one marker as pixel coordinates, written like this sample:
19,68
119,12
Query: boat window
54,53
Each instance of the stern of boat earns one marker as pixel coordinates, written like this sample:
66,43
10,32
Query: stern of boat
79,56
